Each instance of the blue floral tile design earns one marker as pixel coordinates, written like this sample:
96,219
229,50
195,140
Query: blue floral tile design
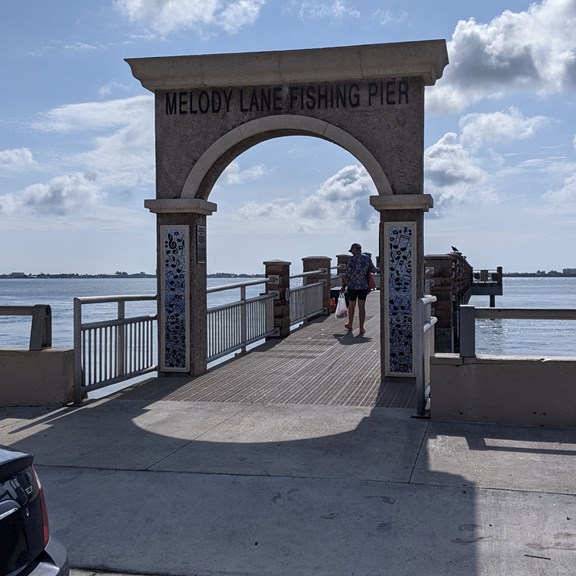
175,284
400,238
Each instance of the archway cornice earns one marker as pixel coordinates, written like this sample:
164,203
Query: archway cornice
262,129
426,59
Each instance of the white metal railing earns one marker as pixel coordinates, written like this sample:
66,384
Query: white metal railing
423,348
340,270
469,313
111,351
234,326
41,327
307,301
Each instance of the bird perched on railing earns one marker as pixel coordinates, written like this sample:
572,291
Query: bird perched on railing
454,249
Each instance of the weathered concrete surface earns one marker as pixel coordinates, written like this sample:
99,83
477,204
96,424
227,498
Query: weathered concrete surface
207,488
36,377
526,390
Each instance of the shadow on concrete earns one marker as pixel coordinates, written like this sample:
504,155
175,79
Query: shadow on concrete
224,488
221,488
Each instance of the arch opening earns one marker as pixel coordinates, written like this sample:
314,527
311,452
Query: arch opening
288,198
223,151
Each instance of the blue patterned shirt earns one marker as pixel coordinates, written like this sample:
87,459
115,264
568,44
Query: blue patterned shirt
357,272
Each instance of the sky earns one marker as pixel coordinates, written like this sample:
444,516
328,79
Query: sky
77,134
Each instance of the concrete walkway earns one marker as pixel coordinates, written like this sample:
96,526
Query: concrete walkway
205,488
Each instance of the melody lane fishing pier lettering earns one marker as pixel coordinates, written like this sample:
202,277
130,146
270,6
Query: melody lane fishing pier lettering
288,98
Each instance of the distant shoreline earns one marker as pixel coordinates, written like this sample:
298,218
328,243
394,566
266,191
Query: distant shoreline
118,276
551,274
22,276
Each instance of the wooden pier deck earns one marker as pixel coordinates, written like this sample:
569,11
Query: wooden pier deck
319,364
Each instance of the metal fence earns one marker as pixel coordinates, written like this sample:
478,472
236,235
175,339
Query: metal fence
469,313
110,351
234,326
307,301
423,348
41,326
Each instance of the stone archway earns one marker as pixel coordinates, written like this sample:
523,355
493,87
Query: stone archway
203,175
209,109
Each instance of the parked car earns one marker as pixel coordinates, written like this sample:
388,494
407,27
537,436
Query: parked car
26,547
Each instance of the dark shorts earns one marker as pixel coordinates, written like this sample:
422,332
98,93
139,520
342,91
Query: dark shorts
354,295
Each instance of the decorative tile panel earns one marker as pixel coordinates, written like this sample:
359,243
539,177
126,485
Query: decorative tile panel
175,286
400,285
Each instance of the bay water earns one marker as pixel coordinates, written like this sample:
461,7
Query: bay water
529,337
532,337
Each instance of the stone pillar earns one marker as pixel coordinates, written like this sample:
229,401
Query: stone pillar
401,277
342,260
440,276
181,278
278,272
312,263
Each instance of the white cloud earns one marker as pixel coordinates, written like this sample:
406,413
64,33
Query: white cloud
565,197
111,87
124,158
453,175
532,50
468,166
82,183
120,141
81,47
448,162
238,14
234,175
95,115
479,130
385,17
16,161
166,16
342,200
63,195
312,9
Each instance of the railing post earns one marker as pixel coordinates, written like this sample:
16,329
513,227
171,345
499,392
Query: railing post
322,263
77,351
243,326
41,330
278,273
341,262
467,331
419,357
121,339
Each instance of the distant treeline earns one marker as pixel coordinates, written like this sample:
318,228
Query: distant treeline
73,275
567,272
21,275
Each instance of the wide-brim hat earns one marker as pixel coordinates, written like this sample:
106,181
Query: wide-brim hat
355,246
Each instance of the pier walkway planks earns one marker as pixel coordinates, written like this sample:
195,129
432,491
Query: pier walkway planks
319,364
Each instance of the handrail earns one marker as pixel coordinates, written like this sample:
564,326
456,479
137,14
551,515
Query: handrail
110,351
235,325
41,328
469,313
423,348
306,302
112,299
527,313
309,273
223,287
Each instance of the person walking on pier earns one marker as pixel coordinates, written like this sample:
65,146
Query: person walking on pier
356,280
